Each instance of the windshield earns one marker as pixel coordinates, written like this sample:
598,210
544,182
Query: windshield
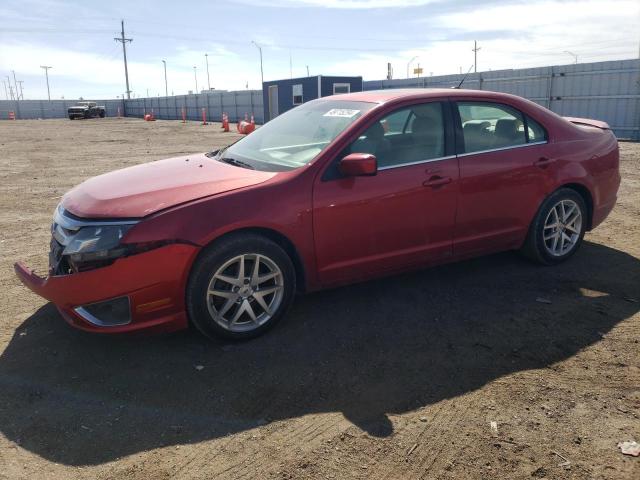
296,137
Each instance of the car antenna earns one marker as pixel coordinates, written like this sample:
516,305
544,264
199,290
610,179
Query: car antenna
464,78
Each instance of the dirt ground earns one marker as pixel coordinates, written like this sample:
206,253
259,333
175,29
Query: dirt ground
398,378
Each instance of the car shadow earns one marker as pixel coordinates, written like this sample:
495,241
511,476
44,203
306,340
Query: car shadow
369,350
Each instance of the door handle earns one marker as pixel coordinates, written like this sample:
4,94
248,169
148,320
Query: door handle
543,162
437,181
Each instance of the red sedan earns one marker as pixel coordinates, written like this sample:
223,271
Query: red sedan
338,190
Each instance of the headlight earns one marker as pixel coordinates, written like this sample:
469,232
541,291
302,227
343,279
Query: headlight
97,243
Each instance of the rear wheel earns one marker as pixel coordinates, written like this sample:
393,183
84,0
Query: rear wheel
558,228
102,113
240,287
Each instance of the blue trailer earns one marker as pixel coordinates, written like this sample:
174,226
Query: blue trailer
282,95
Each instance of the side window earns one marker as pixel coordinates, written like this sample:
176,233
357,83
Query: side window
536,132
486,126
297,94
409,135
396,122
341,88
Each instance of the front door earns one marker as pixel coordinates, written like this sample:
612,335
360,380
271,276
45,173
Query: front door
403,216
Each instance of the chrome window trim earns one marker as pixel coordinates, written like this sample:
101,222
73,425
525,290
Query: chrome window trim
429,160
449,157
502,148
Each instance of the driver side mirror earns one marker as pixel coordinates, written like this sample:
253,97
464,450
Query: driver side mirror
358,165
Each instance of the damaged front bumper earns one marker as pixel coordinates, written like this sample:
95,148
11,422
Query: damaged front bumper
143,291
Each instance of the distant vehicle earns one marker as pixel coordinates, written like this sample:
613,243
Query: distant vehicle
337,190
86,110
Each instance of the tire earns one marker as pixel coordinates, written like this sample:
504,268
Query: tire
102,114
219,307
550,242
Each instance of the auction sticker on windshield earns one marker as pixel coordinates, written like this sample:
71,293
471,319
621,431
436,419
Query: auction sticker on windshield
341,112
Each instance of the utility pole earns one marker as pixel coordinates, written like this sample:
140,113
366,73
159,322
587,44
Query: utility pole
15,84
206,57
21,94
307,70
46,74
166,88
261,70
124,41
475,56
195,75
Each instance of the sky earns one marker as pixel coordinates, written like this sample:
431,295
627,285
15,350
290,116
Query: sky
331,37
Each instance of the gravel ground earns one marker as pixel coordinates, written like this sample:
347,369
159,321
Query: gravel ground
398,378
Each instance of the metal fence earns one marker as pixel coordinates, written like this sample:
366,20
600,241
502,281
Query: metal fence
235,104
608,91
35,109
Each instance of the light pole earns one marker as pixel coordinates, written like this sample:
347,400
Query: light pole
46,74
195,75
166,88
261,70
409,64
575,57
206,57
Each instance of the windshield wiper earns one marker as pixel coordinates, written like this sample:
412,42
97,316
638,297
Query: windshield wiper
237,163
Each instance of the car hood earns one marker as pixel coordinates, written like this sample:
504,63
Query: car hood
141,190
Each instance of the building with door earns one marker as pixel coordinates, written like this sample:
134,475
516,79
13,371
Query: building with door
282,95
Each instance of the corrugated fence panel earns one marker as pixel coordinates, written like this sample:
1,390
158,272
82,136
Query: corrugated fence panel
215,103
608,91
36,109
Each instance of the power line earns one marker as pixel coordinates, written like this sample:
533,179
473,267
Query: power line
124,53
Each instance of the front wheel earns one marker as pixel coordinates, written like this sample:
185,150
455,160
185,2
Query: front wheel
240,287
558,228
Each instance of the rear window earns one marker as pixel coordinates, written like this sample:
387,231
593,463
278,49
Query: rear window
536,132
488,126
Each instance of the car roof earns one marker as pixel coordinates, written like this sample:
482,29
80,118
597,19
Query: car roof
383,96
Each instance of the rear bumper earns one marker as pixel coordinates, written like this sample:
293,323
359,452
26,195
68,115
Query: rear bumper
154,282
601,212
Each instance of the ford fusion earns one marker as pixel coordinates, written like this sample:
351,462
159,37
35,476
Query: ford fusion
338,190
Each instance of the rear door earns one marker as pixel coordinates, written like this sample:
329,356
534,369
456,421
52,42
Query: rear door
504,167
403,216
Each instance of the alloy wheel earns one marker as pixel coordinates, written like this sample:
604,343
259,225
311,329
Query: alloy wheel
562,227
245,292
